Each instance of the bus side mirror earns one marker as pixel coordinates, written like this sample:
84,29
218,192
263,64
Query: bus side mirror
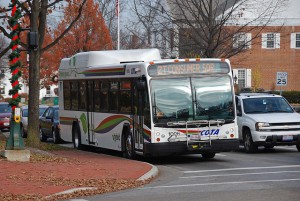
141,85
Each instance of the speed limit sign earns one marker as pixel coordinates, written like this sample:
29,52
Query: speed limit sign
281,79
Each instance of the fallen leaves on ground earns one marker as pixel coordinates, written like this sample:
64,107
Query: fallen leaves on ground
99,186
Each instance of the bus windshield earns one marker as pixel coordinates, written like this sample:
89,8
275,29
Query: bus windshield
186,99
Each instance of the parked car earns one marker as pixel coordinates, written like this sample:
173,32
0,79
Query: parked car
266,120
5,115
49,124
24,118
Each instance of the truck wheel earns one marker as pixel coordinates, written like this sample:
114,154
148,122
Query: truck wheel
298,147
208,155
249,145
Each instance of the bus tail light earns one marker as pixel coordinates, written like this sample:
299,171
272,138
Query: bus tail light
158,139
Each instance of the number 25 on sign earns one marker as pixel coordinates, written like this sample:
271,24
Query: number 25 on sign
281,79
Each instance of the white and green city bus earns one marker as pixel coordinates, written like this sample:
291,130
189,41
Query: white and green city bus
135,102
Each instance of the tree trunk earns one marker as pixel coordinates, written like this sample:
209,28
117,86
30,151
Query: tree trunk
34,82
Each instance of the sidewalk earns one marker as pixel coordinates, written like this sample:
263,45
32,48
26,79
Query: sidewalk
56,172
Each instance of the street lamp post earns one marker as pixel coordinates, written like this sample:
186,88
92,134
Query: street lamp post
235,79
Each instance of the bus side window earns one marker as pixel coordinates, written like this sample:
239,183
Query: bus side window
125,97
82,95
74,95
113,96
97,96
104,96
67,95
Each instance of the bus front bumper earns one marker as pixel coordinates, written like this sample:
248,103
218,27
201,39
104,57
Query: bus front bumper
177,148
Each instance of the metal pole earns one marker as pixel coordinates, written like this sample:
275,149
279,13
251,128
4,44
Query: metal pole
118,14
280,89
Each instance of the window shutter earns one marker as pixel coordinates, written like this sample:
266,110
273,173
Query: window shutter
248,40
277,40
248,78
235,43
264,41
293,40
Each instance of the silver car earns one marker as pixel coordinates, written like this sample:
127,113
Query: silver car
24,118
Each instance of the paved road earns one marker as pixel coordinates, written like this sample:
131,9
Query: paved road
271,174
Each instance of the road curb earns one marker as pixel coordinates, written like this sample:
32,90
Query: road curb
150,174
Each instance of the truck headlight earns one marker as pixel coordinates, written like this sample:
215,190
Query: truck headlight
260,125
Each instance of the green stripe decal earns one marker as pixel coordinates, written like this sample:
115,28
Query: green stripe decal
111,122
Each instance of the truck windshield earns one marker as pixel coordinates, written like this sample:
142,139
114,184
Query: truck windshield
266,105
186,99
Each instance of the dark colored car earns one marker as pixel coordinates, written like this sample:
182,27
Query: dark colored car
49,124
5,115
24,118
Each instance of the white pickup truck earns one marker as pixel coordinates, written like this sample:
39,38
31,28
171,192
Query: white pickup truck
266,120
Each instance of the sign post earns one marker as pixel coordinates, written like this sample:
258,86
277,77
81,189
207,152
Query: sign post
281,80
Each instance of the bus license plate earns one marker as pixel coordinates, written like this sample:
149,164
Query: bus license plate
194,137
287,138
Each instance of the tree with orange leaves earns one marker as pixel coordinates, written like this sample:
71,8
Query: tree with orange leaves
88,34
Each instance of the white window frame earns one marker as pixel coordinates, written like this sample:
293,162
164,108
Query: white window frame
295,40
242,39
243,77
266,38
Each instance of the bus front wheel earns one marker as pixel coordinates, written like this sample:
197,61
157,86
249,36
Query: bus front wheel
129,147
76,137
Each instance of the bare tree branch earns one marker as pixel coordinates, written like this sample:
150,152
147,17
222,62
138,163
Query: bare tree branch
66,30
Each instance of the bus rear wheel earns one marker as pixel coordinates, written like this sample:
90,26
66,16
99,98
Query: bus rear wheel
129,147
76,137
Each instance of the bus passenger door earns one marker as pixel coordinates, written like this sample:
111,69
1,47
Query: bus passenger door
90,113
138,114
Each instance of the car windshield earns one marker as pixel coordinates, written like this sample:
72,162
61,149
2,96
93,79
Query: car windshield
5,108
266,105
186,99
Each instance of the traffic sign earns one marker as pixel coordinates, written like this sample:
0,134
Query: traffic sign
281,79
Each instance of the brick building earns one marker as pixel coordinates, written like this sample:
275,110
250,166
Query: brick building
275,49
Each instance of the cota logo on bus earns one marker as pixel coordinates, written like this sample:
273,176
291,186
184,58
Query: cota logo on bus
209,132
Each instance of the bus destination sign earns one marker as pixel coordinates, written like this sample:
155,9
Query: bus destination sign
188,68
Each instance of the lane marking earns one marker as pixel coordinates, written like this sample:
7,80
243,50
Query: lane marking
246,168
221,183
291,148
220,155
242,174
